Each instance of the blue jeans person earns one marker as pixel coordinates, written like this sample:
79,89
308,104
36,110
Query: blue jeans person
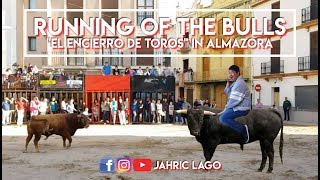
227,118
134,117
175,116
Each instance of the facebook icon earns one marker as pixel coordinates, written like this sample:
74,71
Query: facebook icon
106,165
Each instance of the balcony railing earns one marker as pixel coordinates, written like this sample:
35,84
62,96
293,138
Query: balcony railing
304,63
266,68
113,61
188,77
309,13
15,81
186,48
281,66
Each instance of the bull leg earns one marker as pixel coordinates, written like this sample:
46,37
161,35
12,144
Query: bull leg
270,153
64,141
69,139
27,142
36,140
209,148
208,153
264,156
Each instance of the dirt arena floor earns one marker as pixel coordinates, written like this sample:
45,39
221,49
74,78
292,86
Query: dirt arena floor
157,142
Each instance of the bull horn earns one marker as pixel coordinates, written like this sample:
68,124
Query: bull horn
183,111
209,113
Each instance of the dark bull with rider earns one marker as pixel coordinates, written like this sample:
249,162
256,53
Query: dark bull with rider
236,123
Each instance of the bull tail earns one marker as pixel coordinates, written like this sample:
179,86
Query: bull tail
281,142
281,134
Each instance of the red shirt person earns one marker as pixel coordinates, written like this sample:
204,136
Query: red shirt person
20,106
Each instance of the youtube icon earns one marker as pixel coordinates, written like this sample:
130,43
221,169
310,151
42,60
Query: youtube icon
142,164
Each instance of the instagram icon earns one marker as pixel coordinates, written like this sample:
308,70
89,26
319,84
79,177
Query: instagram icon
123,165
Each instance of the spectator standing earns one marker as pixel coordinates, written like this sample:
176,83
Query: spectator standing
43,106
134,110
70,107
165,107
114,109
13,112
159,111
259,104
195,103
147,110
177,106
63,105
53,105
5,111
160,70
206,103
213,104
116,71
153,71
122,114
185,105
86,112
34,106
27,80
153,110
147,72
103,109
286,108
20,106
126,105
35,70
140,110
30,68
95,110
25,71
107,109
131,71
140,72
201,101
106,69
127,71
171,109
190,73
81,105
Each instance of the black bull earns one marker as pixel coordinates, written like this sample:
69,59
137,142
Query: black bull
263,124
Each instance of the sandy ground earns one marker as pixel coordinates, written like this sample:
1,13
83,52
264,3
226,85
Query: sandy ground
157,142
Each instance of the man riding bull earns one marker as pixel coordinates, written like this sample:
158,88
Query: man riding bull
238,102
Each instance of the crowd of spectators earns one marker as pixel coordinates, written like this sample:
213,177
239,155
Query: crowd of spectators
160,70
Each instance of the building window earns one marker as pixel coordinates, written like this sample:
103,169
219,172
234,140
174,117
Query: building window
306,98
111,60
32,4
32,44
75,61
275,15
144,4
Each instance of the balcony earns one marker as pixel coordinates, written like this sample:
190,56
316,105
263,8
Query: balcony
266,68
185,49
188,77
304,69
304,63
309,14
113,61
15,82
